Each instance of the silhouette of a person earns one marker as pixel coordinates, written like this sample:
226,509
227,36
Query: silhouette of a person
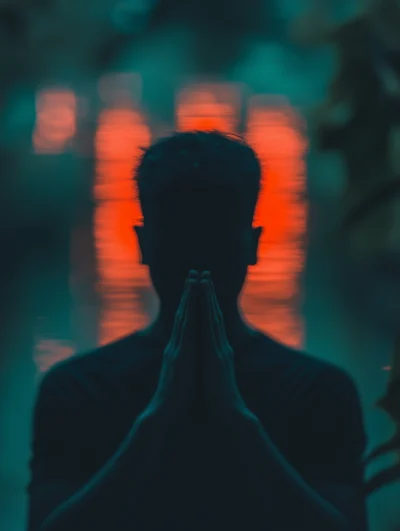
199,421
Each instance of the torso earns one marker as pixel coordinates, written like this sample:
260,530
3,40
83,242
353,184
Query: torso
113,385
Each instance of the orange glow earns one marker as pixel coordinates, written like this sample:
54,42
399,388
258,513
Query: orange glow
270,296
207,107
120,135
272,290
56,115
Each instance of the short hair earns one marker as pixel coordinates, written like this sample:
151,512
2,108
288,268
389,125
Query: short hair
199,176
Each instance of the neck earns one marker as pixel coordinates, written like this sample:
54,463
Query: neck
237,330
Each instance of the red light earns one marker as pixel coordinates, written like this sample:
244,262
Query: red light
120,135
205,107
273,285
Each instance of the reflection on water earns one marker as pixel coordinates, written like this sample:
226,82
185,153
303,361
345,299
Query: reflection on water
270,298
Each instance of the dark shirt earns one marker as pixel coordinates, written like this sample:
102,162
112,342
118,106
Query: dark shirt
87,405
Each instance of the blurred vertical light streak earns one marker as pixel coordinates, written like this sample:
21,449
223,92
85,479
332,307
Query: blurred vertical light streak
122,132
55,129
56,117
272,292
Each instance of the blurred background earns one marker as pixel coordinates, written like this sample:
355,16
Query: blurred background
85,85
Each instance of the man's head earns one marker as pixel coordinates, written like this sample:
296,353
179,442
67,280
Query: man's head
198,192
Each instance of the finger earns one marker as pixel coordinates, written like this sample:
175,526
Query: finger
215,310
207,312
191,279
387,476
187,332
206,276
193,275
218,317
181,311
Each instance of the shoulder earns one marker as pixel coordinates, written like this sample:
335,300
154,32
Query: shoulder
332,409
328,409
81,379
331,388
331,385
315,388
305,372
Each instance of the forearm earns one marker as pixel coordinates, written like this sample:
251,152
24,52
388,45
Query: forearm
273,485
114,494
